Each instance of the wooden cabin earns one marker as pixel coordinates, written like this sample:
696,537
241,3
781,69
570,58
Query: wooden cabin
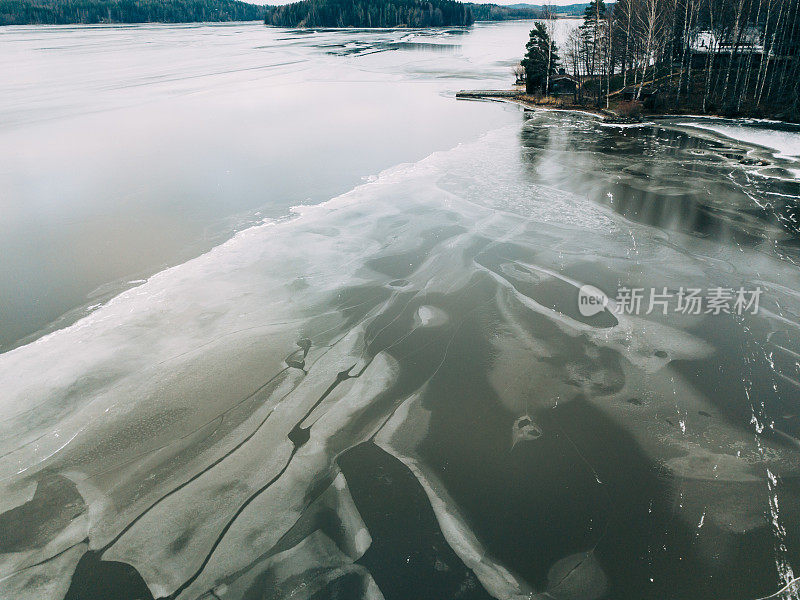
563,85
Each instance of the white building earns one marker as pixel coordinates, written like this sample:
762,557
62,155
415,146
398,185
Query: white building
705,41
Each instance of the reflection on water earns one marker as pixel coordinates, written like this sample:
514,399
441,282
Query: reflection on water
673,180
393,394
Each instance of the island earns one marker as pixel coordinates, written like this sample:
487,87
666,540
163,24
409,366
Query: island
370,13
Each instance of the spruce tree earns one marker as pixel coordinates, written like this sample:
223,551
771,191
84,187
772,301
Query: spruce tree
536,59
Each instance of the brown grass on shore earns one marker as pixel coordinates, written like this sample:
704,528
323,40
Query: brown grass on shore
561,103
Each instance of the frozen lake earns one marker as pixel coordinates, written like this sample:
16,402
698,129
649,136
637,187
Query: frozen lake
281,318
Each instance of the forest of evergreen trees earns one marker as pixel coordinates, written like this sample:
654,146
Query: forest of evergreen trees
370,13
307,13
56,12
734,57
495,12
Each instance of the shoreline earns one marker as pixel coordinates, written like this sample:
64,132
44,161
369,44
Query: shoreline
787,159
606,115
526,101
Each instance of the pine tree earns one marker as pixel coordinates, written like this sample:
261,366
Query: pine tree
541,51
591,34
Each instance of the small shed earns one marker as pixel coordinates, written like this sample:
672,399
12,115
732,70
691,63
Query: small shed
563,85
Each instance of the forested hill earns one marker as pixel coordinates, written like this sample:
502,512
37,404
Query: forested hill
56,12
570,10
495,12
306,13
370,13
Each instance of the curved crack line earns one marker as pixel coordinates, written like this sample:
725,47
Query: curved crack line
215,463
227,527
212,465
399,314
118,383
608,518
176,356
183,485
116,466
46,560
207,423
298,436
270,551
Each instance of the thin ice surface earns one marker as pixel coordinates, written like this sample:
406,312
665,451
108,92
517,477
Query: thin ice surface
393,394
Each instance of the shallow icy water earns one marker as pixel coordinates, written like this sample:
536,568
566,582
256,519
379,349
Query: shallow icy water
393,393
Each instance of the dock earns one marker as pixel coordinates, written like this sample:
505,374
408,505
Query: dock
489,93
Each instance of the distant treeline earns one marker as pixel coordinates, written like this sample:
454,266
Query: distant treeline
570,10
57,12
494,12
370,13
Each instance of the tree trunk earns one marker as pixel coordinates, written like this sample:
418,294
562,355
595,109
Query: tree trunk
734,41
598,44
627,46
748,70
762,66
710,59
683,47
792,35
775,68
672,53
